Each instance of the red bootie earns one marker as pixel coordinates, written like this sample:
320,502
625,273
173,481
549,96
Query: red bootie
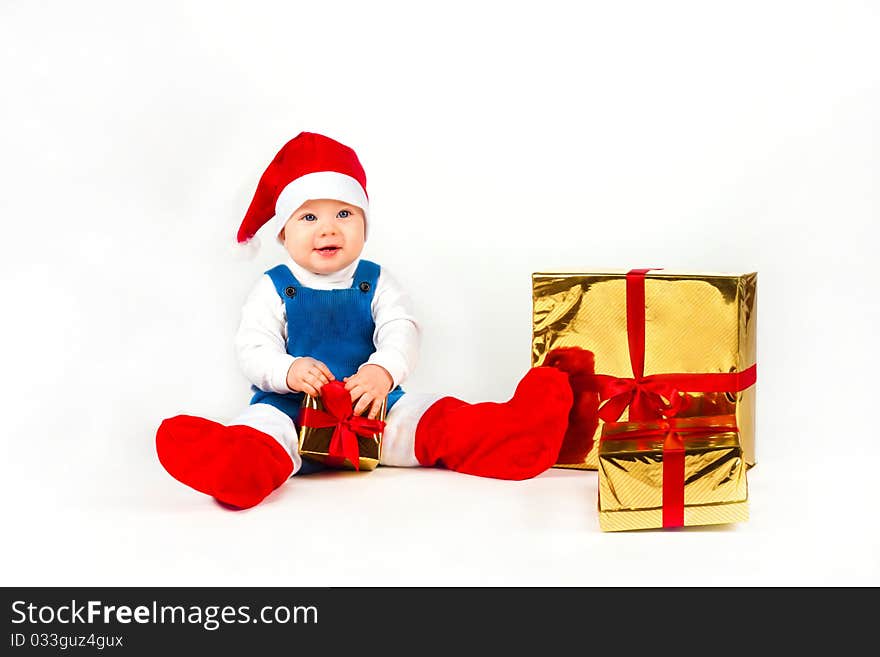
237,465
584,417
518,439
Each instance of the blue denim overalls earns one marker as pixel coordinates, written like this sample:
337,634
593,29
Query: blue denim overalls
332,326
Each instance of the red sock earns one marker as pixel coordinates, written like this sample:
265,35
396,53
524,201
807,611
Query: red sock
584,417
517,439
238,465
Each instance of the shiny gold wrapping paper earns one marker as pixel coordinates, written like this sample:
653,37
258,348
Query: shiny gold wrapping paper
694,323
314,443
631,479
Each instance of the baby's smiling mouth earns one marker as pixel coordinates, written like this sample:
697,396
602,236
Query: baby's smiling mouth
327,250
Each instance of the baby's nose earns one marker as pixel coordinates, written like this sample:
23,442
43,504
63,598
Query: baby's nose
327,228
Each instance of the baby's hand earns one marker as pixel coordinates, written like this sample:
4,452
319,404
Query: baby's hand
308,375
369,386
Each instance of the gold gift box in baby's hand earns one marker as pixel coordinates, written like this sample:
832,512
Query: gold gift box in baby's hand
330,432
671,473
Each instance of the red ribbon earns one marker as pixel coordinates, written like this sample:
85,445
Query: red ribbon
339,413
658,395
675,433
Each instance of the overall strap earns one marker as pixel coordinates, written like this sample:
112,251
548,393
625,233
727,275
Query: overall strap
283,279
365,276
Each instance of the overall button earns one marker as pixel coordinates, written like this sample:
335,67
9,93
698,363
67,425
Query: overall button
290,291
365,287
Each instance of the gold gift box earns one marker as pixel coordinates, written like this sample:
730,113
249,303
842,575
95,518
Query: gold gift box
695,323
631,475
314,444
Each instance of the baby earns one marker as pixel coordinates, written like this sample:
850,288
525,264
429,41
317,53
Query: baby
325,314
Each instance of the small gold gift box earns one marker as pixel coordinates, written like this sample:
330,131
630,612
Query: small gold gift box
655,334
317,443
681,472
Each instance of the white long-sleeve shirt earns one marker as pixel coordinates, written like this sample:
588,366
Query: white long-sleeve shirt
261,340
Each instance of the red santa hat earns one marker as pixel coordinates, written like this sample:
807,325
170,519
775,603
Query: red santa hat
308,167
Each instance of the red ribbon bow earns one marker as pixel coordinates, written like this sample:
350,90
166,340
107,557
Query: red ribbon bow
675,432
339,413
658,395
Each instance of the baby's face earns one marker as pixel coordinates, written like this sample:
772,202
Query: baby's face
324,236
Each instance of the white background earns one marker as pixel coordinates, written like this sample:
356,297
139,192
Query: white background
499,139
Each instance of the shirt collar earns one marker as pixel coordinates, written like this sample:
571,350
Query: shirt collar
333,281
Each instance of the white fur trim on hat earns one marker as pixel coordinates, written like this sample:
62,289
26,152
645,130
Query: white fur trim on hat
313,186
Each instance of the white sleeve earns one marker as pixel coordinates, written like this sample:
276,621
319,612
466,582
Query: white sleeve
261,340
397,336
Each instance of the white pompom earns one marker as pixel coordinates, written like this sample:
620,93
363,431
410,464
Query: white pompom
247,250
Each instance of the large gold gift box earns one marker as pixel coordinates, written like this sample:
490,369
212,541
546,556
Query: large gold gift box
692,323
639,487
314,444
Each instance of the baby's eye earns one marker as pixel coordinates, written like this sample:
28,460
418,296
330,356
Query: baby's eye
309,217
343,214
